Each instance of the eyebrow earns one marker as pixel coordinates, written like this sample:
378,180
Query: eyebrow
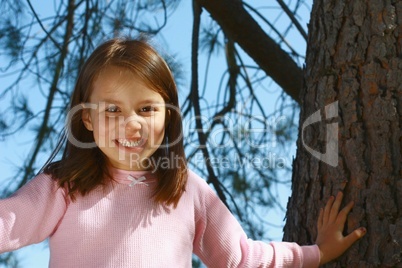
146,101
111,101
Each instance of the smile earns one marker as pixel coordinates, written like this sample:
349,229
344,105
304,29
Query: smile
128,143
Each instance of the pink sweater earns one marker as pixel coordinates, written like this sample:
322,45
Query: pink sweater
120,226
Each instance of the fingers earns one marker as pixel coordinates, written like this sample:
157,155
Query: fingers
344,213
335,207
331,210
327,209
354,236
320,219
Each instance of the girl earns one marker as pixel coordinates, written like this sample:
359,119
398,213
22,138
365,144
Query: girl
122,196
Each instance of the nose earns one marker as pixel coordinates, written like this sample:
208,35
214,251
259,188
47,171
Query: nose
133,124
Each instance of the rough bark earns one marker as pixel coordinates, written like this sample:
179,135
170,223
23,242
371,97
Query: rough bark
238,24
353,57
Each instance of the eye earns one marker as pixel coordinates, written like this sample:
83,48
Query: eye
112,109
148,109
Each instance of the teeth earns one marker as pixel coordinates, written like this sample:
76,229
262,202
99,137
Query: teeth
127,143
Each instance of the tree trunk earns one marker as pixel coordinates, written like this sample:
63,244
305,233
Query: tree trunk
353,76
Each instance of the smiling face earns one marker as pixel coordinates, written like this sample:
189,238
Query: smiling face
128,122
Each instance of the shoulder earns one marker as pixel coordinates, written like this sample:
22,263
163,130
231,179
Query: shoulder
194,177
199,190
195,183
44,179
41,184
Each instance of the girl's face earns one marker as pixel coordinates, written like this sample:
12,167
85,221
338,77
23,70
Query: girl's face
127,118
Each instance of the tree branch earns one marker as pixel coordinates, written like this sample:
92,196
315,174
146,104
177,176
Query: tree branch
42,133
196,103
292,18
238,24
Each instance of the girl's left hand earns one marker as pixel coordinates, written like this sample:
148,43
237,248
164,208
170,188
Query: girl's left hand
330,239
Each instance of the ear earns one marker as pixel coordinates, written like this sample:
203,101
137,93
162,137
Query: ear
86,119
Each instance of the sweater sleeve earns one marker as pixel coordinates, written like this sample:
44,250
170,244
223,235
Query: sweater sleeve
221,242
31,214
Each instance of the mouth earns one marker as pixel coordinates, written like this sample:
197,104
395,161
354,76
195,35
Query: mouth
130,143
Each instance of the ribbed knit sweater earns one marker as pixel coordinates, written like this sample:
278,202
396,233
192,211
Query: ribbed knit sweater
121,226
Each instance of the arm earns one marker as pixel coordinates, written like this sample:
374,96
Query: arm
331,221
31,214
221,242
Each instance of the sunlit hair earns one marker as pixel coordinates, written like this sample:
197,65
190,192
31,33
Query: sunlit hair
81,170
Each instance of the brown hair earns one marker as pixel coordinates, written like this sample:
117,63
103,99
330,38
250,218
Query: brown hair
81,170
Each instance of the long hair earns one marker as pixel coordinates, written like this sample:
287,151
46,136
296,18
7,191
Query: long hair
81,170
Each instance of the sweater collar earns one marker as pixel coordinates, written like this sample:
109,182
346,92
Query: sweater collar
132,177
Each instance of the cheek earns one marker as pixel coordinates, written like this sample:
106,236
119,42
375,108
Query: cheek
157,129
103,126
